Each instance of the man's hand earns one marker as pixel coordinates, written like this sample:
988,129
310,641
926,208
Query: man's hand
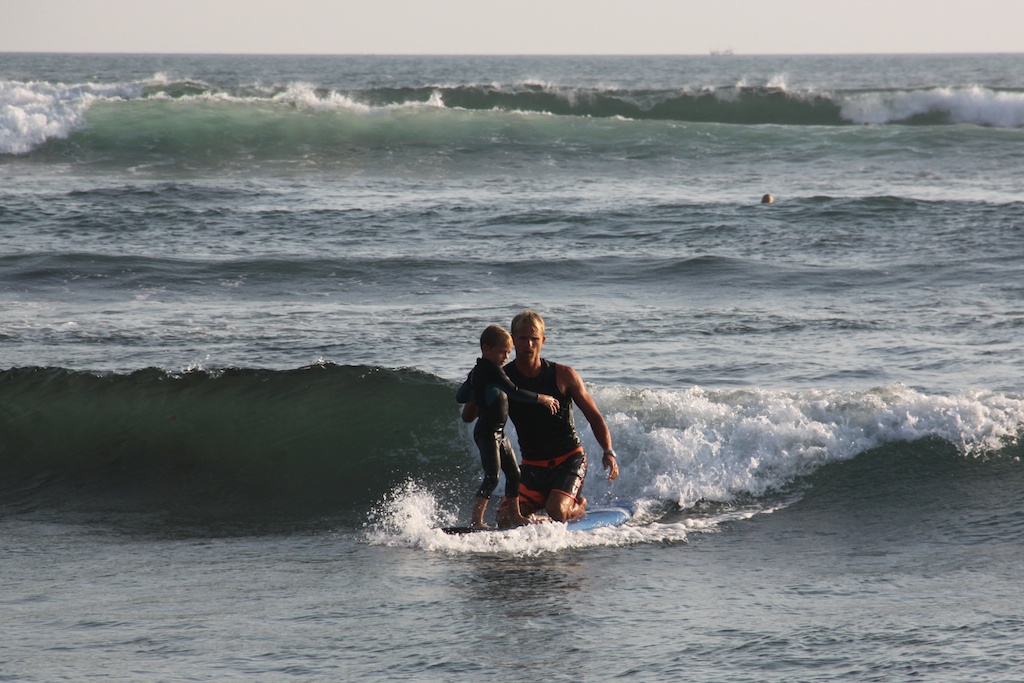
611,464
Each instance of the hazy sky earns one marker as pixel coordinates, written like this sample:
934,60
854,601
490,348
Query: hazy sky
513,27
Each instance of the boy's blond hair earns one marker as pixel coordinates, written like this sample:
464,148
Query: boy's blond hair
495,335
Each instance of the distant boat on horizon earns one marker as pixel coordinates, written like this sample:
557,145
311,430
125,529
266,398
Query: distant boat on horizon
727,52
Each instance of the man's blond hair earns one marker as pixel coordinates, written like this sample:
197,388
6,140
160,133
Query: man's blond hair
528,318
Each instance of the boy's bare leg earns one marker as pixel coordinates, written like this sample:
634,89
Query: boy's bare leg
479,507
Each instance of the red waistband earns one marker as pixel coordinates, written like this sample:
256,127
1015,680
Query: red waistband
554,462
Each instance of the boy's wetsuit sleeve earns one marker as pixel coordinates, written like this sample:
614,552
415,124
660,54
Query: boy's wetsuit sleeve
465,392
494,378
484,383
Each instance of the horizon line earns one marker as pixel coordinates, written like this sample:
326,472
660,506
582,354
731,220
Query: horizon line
712,53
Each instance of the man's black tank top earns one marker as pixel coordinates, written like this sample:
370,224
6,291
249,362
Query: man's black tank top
542,435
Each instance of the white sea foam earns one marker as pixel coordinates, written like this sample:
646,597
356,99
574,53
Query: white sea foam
34,112
305,96
413,517
684,447
980,106
698,445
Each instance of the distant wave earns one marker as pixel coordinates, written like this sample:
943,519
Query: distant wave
185,112
337,439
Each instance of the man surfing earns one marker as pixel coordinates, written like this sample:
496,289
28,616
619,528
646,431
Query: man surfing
554,463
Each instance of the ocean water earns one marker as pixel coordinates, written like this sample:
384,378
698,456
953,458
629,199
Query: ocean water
237,294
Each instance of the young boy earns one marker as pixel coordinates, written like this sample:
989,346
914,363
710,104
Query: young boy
490,388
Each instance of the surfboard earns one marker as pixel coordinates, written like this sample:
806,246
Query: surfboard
596,517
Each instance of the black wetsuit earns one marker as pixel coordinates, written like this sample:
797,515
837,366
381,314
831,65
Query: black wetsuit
490,388
553,457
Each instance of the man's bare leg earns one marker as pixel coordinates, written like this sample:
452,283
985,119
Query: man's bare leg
511,513
514,514
564,508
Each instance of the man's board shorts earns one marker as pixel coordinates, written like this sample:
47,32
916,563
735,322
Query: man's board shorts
538,478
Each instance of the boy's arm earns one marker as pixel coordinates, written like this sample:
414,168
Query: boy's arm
524,395
465,395
465,392
503,382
